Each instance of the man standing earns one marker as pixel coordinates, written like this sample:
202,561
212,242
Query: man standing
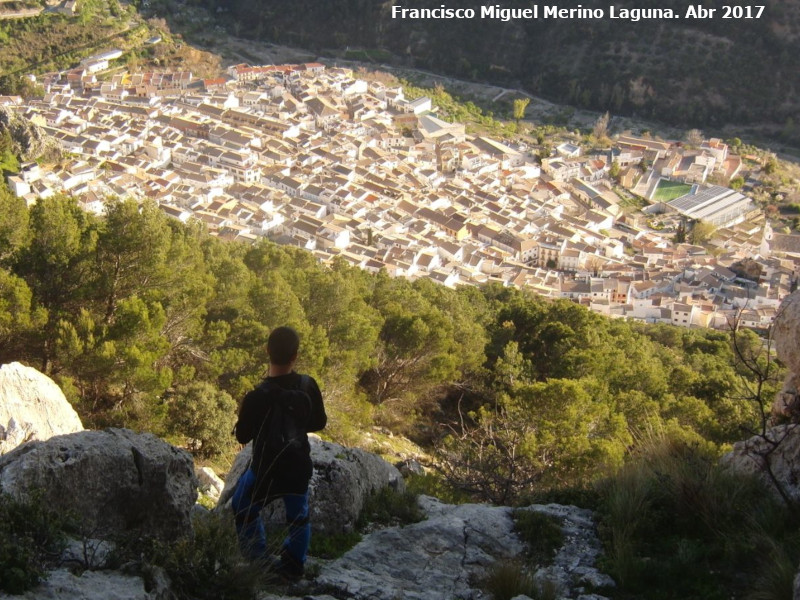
276,416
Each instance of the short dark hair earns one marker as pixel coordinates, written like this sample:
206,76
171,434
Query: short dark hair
282,345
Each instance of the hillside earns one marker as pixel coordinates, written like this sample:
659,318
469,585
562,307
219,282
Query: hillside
144,321
705,73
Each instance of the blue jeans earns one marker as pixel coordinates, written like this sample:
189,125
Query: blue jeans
250,526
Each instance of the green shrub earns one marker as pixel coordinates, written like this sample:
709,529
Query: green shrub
678,526
541,532
431,484
509,580
776,576
204,415
208,564
387,506
581,496
333,545
31,536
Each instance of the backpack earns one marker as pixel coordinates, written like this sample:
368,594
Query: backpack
284,432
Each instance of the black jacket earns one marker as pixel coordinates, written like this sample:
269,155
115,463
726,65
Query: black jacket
290,474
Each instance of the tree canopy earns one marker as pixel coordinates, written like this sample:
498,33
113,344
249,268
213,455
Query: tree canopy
153,324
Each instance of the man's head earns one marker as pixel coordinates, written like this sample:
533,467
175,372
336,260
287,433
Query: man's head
282,346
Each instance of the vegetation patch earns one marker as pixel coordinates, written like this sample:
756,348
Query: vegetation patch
541,532
333,545
433,484
678,526
388,507
667,190
508,580
206,565
32,535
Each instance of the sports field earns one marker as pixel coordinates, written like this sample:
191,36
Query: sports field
669,190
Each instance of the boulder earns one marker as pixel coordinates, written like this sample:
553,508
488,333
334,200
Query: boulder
410,467
115,481
32,407
87,553
209,483
343,479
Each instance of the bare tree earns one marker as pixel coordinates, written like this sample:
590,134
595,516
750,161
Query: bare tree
694,137
483,455
759,377
600,129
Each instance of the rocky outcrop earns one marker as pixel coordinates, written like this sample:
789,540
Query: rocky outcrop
574,567
776,454
114,480
119,481
32,407
343,479
440,557
30,141
89,585
780,448
784,334
451,552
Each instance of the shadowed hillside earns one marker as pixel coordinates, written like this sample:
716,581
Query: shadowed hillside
688,72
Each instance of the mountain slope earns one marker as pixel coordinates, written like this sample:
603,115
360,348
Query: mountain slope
684,71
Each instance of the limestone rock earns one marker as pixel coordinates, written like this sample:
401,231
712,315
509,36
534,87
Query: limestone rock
87,553
436,558
785,331
410,467
784,334
573,567
447,554
209,482
90,585
746,457
32,407
30,141
343,479
114,480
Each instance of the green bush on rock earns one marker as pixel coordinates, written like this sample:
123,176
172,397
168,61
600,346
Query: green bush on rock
31,536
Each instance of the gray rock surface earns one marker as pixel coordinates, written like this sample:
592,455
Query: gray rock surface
785,333
748,456
32,407
90,585
780,446
114,480
573,569
446,555
87,554
29,140
343,479
209,482
796,594
437,558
